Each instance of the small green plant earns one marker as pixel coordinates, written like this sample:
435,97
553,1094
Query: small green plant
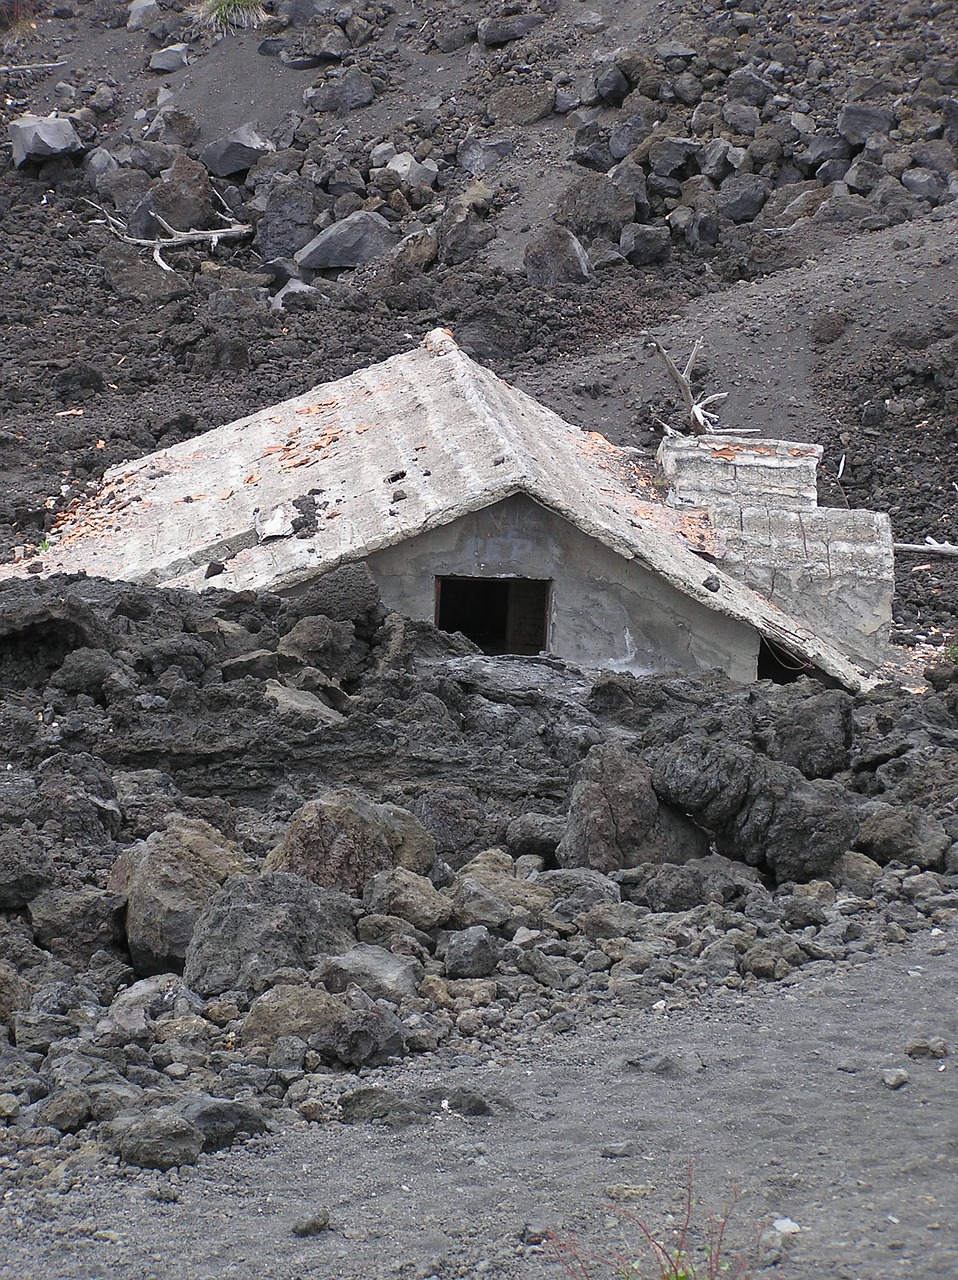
950,652
45,544
692,1254
227,15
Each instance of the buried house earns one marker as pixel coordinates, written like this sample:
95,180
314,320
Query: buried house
477,508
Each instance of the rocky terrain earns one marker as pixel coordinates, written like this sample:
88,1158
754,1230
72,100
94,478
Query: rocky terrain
296,875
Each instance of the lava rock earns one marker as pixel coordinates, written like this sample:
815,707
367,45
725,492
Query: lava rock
521,104
161,1139
379,973
183,198
167,880
857,122
351,242
493,32
26,867
173,58
741,196
346,93
595,208
287,1010
758,811
615,819
412,897
251,928
556,257
343,839
477,155
643,245
471,953
222,1120
236,153
76,923
39,138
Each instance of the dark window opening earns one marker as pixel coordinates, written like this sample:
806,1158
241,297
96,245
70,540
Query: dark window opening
500,615
780,666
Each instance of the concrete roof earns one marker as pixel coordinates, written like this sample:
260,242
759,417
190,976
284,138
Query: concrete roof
391,451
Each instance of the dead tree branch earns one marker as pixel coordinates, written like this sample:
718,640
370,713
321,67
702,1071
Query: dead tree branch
173,239
702,420
927,548
33,66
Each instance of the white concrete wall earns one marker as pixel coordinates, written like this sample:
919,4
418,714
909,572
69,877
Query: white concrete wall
830,568
605,611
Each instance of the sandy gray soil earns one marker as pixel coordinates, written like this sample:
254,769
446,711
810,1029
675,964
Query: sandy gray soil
777,1091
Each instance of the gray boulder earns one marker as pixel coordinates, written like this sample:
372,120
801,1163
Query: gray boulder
412,172
744,85
923,183
167,879
39,138
742,118
612,87
351,242
478,155
26,867
615,818
411,897
161,1139
758,811
370,1034
493,32
379,973
183,198
287,1010
595,207
75,923
627,135
222,1120
345,93
463,230
668,157
132,1016
143,15
742,195
252,927
578,890
643,245
534,833
173,58
343,839
236,153
902,833
354,1031
556,257
858,121
471,953
671,887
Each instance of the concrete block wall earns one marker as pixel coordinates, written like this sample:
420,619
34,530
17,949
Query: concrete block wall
705,469
830,568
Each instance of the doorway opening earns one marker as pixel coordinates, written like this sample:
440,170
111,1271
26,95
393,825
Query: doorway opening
500,615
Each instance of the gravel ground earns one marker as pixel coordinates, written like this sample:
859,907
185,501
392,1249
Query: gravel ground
779,1091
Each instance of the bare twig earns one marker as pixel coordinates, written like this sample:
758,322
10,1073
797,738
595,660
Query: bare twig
33,66
173,239
927,548
701,419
